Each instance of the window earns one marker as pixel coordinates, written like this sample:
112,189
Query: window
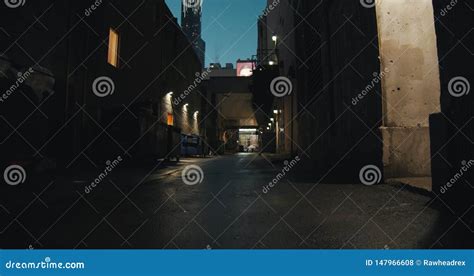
170,119
113,56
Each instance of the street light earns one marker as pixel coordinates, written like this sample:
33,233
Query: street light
168,97
274,38
275,111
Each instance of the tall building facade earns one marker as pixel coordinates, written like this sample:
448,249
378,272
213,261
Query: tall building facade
359,101
303,47
191,13
136,108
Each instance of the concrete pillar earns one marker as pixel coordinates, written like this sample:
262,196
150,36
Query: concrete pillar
411,88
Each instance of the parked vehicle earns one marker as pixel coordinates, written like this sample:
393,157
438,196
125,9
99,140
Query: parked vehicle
191,145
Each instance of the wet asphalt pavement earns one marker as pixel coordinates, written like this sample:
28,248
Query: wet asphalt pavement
145,208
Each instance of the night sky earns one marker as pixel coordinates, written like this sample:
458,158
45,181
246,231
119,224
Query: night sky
229,28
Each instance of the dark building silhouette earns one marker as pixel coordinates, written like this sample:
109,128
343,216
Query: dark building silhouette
191,13
452,129
313,119
358,99
75,46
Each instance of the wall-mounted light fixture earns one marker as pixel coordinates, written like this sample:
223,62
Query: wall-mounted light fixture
185,107
169,96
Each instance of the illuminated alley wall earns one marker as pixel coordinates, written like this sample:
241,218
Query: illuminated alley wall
411,88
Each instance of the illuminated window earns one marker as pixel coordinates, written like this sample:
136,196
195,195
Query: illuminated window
113,55
170,119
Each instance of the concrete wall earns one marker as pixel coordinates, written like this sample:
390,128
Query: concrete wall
411,88
227,108
235,110
331,56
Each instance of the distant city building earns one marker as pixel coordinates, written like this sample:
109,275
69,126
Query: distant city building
217,70
215,66
191,13
245,68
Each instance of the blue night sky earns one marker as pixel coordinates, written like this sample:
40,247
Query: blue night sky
229,28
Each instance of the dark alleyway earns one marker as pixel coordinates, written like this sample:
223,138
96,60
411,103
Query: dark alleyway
130,130
228,209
